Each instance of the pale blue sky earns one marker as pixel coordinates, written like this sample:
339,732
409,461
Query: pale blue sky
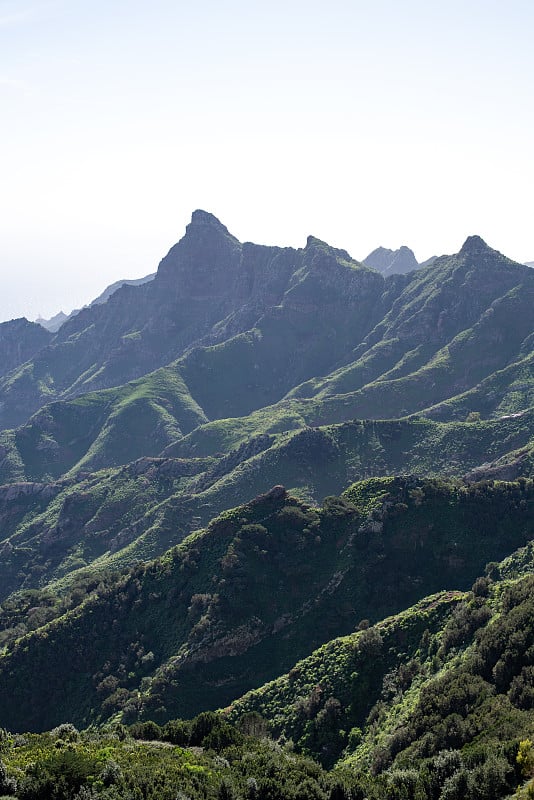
363,123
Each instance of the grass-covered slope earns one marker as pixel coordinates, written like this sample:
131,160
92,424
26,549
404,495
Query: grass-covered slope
101,429
137,330
209,289
432,703
458,301
321,461
506,391
234,606
108,519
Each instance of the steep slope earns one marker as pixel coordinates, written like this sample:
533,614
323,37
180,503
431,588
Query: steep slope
423,701
329,305
54,323
100,429
506,391
455,323
190,625
20,340
104,296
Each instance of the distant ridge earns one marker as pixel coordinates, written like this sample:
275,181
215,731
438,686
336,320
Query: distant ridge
54,323
392,262
106,294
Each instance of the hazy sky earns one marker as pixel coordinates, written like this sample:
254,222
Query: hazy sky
362,122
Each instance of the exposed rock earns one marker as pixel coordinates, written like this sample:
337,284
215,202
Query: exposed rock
505,470
14,491
106,294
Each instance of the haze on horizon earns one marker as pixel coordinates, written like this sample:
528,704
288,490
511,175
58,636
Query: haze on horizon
363,124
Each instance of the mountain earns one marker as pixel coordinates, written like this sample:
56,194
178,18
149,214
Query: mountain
529,263
433,702
91,521
309,334
177,535
448,349
392,262
209,288
436,681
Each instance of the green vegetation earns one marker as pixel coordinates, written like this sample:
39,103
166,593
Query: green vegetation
110,764
116,517
176,535
233,606
433,703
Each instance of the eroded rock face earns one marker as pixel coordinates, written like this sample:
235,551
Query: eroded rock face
15,491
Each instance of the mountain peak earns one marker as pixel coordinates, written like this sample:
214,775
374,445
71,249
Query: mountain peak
205,224
474,245
205,261
200,217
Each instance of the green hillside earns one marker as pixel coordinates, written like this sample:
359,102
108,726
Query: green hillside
234,606
101,429
436,701
116,517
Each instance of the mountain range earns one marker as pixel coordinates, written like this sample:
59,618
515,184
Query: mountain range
211,476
